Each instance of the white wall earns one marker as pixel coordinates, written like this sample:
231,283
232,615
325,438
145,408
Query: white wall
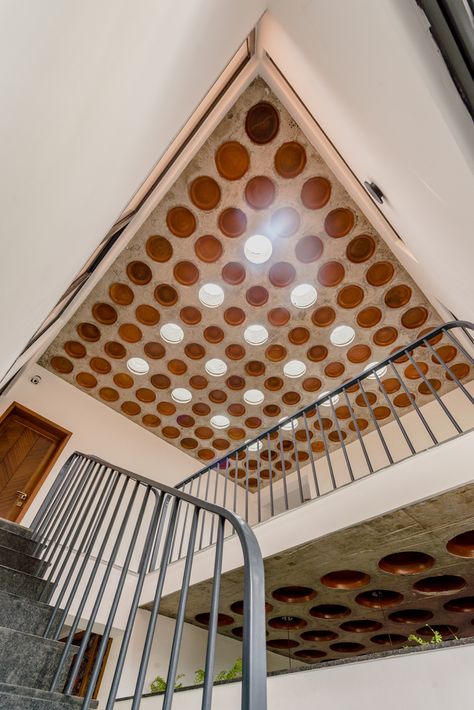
435,679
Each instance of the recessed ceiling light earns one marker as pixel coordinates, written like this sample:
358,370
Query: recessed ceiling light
171,333
181,395
138,366
256,335
380,373
294,368
253,397
258,249
215,367
220,421
292,424
331,400
255,446
211,295
342,335
303,296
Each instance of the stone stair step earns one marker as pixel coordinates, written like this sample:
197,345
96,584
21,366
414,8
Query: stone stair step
18,541
21,583
25,614
16,697
15,528
31,661
22,562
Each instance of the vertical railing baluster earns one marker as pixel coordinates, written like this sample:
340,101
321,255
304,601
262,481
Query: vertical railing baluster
343,446
203,516
246,485
310,454
283,469
259,495
357,430
395,415
216,471
375,422
55,495
270,475
185,521
326,447
297,461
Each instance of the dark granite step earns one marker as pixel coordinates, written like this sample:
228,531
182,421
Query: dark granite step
22,562
17,541
21,583
16,697
25,614
15,528
31,661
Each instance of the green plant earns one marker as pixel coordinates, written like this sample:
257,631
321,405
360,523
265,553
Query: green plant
158,685
436,638
234,672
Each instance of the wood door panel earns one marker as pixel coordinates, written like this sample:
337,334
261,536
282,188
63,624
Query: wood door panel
16,455
35,460
9,434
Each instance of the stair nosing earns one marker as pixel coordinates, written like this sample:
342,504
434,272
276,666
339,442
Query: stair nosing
27,574
24,554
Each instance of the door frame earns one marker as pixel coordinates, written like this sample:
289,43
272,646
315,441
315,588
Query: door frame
60,432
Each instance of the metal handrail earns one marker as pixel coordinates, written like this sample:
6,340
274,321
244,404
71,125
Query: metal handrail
94,503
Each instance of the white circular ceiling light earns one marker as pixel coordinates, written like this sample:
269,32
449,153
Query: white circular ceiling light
138,366
342,335
292,424
380,373
254,397
331,400
215,367
303,296
258,249
171,333
211,295
220,421
255,446
294,369
256,335
181,395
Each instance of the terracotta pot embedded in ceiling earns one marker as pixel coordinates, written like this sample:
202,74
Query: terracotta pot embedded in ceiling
323,316
236,433
370,396
444,354
368,317
160,381
285,222
221,444
236,409
282,643
381,412
130,408
278,316
389,639
159,249
385,336
311,384
380,273
154,350
413,373
194,351
276,353
139,272
166,295
390,385
334,369
331,273
217,396
423,387
462,545
205,192
181,221
185,420
232,160
104,313
461,605
232,222
235,351
208,248
459,370
262,123
379,598
100,365
398,296
255,368
123,380
273,383
130,332
233,273
260,192
213,334
75,349
350,296
359,353
404,400
319,635
441,584
339,222
177,366
315,193
206,454
62,364
292,623
291,398
189,443
190,315
234,316
309,249
86,379
330,611
345,579
186,273
411,616
294,594
88,332
235,382
272,410
151,420
414,317
257,296
121,294
147,315
361,424
447,631
198,382
347,647
145,395
281,274
298,336
290,159
361,626
253,422
360,248
201,409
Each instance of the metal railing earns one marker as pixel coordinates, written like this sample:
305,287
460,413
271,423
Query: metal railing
416,398
97,524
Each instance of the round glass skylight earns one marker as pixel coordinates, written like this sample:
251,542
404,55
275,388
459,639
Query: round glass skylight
342,335
181,395
138,366
220,421
292,424
303,296
255,446
258,249
253,397
215,367
294,368
380,373
211,295
331,400
172,333
256,335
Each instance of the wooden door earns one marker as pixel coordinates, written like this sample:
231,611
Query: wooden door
84,674
29,446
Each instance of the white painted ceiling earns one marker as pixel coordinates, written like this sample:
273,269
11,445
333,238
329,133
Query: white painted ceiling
93,93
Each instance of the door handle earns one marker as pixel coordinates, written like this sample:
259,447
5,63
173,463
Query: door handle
21,495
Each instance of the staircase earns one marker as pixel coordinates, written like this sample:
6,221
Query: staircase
27,661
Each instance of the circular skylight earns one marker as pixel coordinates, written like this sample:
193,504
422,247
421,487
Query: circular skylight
211,295
171,333
253,397
181,395
138,366
256,335
255,446
215,367
342,335
258,249
292,424
380,373
294,368
331,400
220,421
303,296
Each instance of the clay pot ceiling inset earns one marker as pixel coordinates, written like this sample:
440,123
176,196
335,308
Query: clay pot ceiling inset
232,222
180,221
360,248
262,123
115,350
208,248
285,222
260,192
315,193
309,249
232,160
121,294
205,193
159,249
75,349
339,222
290,159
